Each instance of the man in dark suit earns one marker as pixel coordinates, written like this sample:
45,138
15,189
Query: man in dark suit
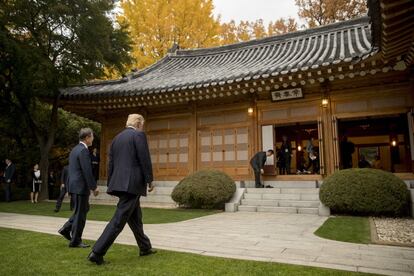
63,190
129,175
257,163
80,182
8,179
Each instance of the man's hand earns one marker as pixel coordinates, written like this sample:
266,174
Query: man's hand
150,187
62,186
261,171
8,181
95,192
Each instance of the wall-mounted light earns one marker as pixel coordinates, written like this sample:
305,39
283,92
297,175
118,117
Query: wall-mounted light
394,143
299,148
250,110
325,102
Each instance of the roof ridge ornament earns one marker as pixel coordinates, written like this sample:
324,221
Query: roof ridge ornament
174,48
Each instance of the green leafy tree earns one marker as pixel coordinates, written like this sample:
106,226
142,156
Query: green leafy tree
47,45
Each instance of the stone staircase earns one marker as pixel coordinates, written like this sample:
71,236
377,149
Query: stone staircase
295,197
160,197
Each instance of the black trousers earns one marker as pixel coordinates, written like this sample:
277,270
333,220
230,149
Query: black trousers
76,222
61,197
257,179
7,192
50,189
128,211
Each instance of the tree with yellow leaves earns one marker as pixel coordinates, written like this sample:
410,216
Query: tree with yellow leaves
155,25
322,12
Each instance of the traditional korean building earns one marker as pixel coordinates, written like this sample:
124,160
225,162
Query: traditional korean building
216,107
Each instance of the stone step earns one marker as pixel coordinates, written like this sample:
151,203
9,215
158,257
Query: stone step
262,191
299,191
309,197
252,196
299,204
165,183
259,202
157,198
162,191
292,184
290,210
282,196
310,211
247,208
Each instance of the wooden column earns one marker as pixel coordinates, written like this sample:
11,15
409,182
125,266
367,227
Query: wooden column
193,146
328,132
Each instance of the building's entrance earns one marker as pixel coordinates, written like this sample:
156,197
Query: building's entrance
381,142
296,147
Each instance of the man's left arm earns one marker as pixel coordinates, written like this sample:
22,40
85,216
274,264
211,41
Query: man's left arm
144,156
85,162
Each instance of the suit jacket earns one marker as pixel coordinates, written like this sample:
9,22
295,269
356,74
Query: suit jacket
81,179
9,172
64,176
258,160
130,168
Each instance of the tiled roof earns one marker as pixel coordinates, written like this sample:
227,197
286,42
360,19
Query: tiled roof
341,42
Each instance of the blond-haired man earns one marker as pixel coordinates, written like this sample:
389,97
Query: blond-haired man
129,176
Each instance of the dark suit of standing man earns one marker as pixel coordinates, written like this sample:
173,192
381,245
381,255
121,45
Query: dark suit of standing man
64,189
257,162
80,182
8,179
129,174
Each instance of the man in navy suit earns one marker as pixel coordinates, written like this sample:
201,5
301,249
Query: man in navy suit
257,162
129,175
8,179
80,182
64,189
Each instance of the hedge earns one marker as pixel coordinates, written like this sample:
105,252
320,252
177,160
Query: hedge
365,192
207,189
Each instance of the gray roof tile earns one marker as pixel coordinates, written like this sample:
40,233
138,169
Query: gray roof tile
331,44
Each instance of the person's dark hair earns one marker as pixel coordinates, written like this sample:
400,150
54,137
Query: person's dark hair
85,132
271,151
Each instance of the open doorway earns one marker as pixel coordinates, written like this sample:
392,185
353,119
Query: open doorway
297,148
380,142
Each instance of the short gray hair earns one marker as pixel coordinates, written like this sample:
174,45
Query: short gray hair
85,132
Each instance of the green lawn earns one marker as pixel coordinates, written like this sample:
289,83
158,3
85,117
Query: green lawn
347,229
31,253
103,212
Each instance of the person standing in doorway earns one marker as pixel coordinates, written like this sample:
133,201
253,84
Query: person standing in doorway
257,162
347,149
9,172
129,177
286,150
36,184
81,182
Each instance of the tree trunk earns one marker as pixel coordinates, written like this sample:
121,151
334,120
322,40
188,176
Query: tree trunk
44,167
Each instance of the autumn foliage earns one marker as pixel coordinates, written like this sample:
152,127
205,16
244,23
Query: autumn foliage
156,25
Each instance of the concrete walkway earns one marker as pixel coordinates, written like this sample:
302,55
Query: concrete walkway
283,238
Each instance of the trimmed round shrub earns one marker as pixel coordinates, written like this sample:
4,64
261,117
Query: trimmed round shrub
207,189
365,192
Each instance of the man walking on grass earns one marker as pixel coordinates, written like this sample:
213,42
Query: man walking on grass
129,175
80,183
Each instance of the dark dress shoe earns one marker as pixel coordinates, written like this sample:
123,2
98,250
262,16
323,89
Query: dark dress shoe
65,233
56,210
80,245
147,252
95,258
